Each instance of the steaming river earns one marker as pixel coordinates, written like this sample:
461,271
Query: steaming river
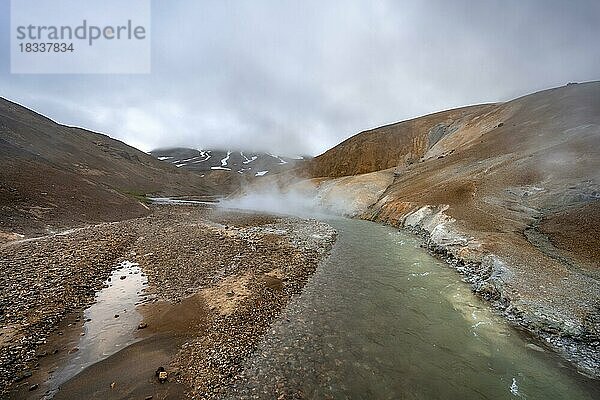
382,319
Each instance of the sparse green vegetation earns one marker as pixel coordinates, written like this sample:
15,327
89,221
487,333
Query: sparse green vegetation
139,196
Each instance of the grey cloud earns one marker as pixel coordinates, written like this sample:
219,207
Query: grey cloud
300,76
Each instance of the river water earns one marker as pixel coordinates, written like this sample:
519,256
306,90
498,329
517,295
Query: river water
383,319
109,323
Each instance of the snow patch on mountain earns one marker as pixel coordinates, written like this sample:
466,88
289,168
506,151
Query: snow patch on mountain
281,161
247,163
224,160
246,159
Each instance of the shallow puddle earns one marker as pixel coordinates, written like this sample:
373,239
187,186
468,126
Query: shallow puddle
110,322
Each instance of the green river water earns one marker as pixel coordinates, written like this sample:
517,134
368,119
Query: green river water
383,319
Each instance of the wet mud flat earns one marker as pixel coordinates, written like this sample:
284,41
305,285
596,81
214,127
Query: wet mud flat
215,282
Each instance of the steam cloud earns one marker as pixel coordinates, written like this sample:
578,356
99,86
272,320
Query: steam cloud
299,200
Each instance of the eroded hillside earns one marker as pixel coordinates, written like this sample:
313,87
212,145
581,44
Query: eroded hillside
509,192
54,176
531,163
510,168
381,148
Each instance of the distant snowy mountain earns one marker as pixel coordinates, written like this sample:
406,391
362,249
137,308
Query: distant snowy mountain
245,163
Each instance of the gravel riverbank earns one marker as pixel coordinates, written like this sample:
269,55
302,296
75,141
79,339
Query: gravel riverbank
44,280
239,269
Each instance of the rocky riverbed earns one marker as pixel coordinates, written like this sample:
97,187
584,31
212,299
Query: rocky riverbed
216,280
44,280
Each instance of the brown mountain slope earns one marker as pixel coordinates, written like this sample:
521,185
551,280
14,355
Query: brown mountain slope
540,158
511,191
384,147
53,176
500,168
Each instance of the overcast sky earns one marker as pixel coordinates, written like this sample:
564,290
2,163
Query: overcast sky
297,77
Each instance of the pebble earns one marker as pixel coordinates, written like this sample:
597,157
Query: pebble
23,376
